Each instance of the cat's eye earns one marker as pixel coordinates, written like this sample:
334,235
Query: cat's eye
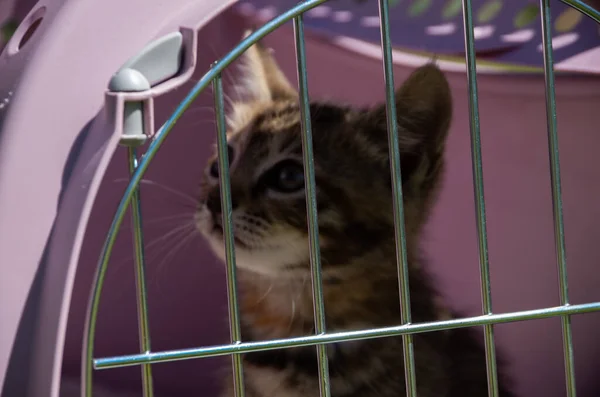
287,176
214,167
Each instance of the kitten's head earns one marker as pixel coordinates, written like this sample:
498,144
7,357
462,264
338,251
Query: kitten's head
352,172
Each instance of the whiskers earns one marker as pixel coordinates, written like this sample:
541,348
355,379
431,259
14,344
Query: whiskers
295,297
186,197
165,236
187,232
251,230
198,113
160,250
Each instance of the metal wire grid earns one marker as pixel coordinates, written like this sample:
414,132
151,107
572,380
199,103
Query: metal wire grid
137,169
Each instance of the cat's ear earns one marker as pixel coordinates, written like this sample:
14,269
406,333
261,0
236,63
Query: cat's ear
424,107
262,79
424,112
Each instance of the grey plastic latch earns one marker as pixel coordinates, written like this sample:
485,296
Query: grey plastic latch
130,80
157,62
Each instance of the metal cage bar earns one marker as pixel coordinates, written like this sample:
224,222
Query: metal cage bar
585,9
140,277
559,233
484,262
336,337
226,210
398,202
311,206
321,338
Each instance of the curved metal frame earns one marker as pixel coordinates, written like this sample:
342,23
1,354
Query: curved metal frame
488,319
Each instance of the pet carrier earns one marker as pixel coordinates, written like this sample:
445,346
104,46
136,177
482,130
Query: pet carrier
78,78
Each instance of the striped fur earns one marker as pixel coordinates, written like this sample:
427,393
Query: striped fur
354,199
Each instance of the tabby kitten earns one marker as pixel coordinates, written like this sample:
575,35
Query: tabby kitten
354,199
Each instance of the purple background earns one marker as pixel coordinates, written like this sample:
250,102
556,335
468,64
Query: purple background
409,32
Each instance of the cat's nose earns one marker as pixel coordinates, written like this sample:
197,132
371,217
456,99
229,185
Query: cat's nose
213,202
